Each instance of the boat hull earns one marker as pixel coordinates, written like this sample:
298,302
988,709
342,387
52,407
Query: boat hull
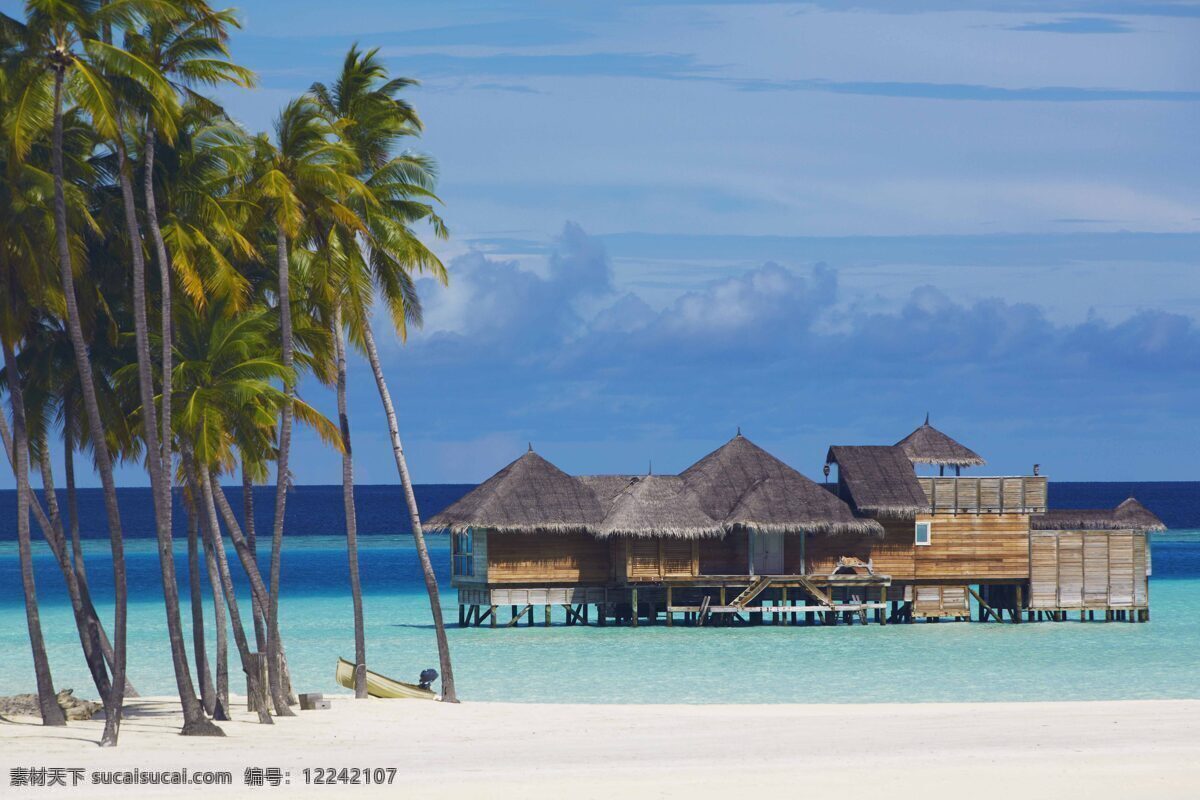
381,685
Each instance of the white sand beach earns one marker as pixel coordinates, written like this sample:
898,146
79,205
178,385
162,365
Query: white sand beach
1119,749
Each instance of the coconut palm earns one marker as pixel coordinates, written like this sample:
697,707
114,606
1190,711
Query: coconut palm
396,192
62,54
19,281
305,173
226,411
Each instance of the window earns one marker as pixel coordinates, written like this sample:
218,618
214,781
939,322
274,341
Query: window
922,535
464,560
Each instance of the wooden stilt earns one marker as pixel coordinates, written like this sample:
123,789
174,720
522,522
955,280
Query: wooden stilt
492,614
548,607
462,615
601,614
670,613
1017,606
881,614
633,619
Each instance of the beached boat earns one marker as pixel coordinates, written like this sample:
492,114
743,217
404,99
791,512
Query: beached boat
381,685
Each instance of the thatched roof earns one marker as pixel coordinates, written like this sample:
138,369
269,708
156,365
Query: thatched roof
658,505
530,494
724,476
879,479
789,504
928,445
606,487
1128,515
739,484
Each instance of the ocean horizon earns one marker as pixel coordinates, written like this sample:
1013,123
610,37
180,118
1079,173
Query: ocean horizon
651,664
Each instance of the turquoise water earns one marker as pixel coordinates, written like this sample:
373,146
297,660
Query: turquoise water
920,662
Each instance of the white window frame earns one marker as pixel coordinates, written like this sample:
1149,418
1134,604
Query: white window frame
928,533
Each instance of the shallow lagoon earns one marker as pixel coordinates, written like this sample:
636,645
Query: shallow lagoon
919,662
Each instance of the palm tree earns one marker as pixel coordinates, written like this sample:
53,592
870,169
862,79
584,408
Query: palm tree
305,173
52,714
226,412
62,52
395,191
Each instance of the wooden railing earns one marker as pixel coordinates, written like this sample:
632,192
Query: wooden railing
1015,495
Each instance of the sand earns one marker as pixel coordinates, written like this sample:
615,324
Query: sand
1125,749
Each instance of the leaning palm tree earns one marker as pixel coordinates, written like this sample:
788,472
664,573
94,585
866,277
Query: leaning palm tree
363,105
304,173
62,54
19,281
227,409
52,714
396,191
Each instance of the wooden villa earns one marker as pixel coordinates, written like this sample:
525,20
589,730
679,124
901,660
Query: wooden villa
741,537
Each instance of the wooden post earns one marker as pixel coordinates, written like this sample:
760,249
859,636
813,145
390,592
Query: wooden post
633,619
670,613
492,614
1017,605
601,614
462,615
883,600
548,615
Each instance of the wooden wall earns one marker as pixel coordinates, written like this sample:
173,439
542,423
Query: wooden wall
547,558
1087,569
962,547
974,546
655,559
891,555
729,555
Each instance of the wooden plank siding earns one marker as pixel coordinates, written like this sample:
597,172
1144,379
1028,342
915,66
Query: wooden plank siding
655,559
1088,570
547,558
973,547
729,555
891,555
962,547
1022,494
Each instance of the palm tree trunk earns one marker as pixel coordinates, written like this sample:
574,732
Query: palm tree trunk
164,275
235,617
448,692
106,647
86,619
260,625
360,637
112,708
257,588
221,710
194,721
282,477
52,714
199,651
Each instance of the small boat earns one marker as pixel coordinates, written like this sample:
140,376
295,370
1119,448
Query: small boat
381,685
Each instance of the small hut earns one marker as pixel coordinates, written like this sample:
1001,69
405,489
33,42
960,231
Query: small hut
928,445
1092,560
529,521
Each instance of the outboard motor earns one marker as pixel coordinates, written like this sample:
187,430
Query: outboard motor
428,676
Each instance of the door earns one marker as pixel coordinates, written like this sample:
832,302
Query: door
767,554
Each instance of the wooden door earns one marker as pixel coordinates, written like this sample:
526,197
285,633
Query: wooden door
768,553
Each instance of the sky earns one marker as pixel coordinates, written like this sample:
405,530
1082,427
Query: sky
815,221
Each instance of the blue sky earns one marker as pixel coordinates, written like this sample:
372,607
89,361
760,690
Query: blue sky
817,221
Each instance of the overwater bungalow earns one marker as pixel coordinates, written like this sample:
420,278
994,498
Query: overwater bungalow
742,537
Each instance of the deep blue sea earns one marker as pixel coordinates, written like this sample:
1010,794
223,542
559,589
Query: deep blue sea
587,664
